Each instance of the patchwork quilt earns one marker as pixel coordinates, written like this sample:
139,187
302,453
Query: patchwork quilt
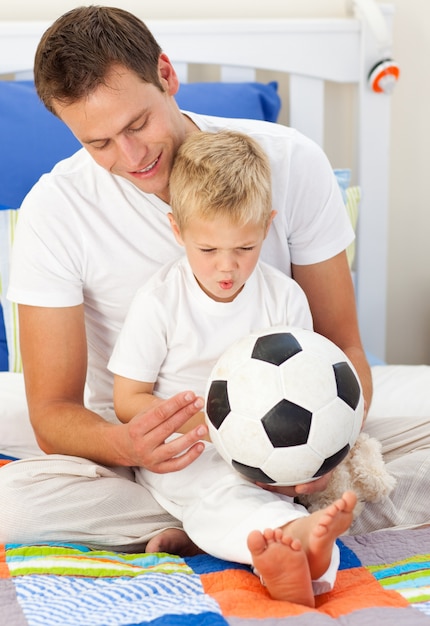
384,579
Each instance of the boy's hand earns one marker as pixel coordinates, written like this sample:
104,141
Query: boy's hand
147,433
306,488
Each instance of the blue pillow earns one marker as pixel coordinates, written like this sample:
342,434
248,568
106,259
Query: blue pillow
4,355
36,139
33,140
250,100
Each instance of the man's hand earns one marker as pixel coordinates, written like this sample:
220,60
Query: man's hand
320,484
147,432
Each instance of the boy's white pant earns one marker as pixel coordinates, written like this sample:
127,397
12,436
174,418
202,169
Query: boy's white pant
219,508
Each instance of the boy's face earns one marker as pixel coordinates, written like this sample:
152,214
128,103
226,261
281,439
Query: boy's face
131,128
222,255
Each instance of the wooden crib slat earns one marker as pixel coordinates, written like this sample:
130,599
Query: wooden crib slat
307,106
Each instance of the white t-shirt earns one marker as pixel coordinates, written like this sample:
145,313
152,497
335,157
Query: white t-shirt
174,333
85,235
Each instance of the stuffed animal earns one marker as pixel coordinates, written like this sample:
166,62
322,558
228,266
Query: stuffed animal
363,471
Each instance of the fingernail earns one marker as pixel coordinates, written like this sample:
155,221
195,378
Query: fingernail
199,403
201,431
189,396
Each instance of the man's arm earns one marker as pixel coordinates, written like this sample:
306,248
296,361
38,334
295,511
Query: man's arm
330,292
54,353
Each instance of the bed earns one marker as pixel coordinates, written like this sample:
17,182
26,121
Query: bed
384,576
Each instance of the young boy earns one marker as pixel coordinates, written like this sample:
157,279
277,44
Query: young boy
178,325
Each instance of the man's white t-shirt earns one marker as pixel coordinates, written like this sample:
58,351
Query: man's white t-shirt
174,332
85,235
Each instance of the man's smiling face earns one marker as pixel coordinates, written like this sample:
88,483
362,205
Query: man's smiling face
131,128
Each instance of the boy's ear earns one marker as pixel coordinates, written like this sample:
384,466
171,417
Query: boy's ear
269,221
175,229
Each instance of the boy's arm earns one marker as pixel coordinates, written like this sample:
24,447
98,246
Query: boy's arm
133,396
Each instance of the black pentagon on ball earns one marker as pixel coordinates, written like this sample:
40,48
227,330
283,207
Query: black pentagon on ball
348,388
217,404
331,462
276,348
253,473
287,424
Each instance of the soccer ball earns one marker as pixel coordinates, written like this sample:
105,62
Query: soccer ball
284,406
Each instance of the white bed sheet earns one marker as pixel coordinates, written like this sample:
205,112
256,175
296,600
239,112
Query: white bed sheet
400,391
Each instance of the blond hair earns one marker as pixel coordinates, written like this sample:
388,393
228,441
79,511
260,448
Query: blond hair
221,174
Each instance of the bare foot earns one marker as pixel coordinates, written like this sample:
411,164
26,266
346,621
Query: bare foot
282,565
319,531
173,541
334,521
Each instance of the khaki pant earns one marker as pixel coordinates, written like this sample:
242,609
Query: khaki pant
61,498
403,392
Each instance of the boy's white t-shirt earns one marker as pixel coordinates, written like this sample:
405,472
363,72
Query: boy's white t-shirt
174,332
87,236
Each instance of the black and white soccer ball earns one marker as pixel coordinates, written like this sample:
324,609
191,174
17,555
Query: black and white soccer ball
284,406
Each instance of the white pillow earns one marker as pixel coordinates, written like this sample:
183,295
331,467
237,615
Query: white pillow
16,434
399,413
400,391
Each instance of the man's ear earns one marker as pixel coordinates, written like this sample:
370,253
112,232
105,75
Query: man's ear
168,76
175,229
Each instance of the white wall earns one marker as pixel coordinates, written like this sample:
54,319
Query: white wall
409,234
50,9
408,286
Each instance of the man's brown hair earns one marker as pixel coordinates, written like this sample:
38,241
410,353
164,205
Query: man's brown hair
77,52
